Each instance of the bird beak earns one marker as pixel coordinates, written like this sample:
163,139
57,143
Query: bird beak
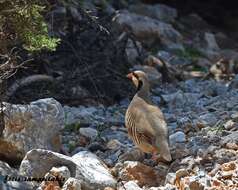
129,76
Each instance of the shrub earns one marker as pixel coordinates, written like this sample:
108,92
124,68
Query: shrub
22,21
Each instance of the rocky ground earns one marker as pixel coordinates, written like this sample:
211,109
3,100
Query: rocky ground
87,147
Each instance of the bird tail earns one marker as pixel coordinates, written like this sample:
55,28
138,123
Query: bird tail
164,150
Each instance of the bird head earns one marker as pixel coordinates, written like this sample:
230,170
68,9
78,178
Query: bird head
139,79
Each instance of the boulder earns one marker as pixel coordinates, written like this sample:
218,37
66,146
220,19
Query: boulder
133,154
36,125
92,116
180,99
83,115
83,166
231,138
208,119
166,187
130,185
88,132
6,173
157,11
211,43
170,178
234,83
148,30
210,47
93,171
72,184
133,49
5,169
178,137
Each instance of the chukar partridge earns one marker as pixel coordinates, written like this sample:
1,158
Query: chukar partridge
145,121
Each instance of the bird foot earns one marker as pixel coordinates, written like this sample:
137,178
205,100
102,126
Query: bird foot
159,160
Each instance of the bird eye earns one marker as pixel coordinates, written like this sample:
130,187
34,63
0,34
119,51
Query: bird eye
135,75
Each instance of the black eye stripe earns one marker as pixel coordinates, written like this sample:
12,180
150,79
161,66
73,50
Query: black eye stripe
135,75
140,84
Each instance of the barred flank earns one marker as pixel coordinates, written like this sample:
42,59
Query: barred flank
130,123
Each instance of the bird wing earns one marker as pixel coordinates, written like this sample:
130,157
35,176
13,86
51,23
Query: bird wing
141,119
157,122
148,118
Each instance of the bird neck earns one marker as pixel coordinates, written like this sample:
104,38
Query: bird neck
143,91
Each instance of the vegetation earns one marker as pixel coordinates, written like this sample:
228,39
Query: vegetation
21,21
72,127
189,53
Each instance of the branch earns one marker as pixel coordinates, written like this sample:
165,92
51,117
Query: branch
25,82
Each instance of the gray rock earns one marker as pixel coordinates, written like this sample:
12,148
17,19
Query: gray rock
78,149
5,169
109,9
36,125
174,59
170,178
84,166
176,99
132,51
121,136
88,132
210,47
147,29
234,116
230,124
157,11
93,116
130,185
204,63
6,172
93,171
132,155
164,55
194,22
211,41
166,187
114,144
211,88
79,91
178,137
72,184
60,12
114,116
96,146
182,100
38,162
89,6
75,13
231,138
223,155
234,83
223,41
82,115
208,119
